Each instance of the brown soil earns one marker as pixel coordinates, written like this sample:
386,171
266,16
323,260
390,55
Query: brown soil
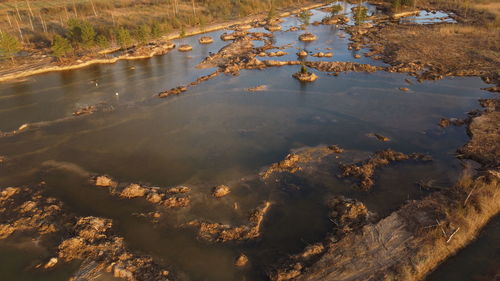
365,170
218,232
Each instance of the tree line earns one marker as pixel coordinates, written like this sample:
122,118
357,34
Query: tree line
88,25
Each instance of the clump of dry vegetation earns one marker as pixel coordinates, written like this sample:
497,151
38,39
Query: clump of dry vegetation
297,161
174,197
218,232
466,48
365,170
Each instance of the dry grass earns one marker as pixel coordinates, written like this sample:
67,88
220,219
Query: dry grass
451,49
462,213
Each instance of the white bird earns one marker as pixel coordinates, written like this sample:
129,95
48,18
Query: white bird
116,94
96,84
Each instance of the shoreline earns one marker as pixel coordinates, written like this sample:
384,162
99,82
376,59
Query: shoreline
54,67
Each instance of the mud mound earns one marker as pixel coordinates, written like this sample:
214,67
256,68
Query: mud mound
102,251
161,197
239,48
365,170
297,161
217,232
25,209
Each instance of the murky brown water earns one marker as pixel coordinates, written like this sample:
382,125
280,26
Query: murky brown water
218,133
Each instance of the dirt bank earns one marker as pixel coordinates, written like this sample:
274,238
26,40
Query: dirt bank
484,131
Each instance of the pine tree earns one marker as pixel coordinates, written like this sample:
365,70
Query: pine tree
123,37
156,30
74,31
182,34
9,45
102,41
61,47
143,33
88,34
304,18
81,32
272,11
335,9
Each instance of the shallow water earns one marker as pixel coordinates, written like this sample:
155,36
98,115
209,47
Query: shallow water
428,17
219,133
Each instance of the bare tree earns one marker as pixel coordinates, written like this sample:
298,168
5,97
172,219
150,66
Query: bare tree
93,7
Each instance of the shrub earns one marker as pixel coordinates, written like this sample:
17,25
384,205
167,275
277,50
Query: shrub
102,41
143,34
156,30
304,18
61,47
9,45
335,9
81,32
123,37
